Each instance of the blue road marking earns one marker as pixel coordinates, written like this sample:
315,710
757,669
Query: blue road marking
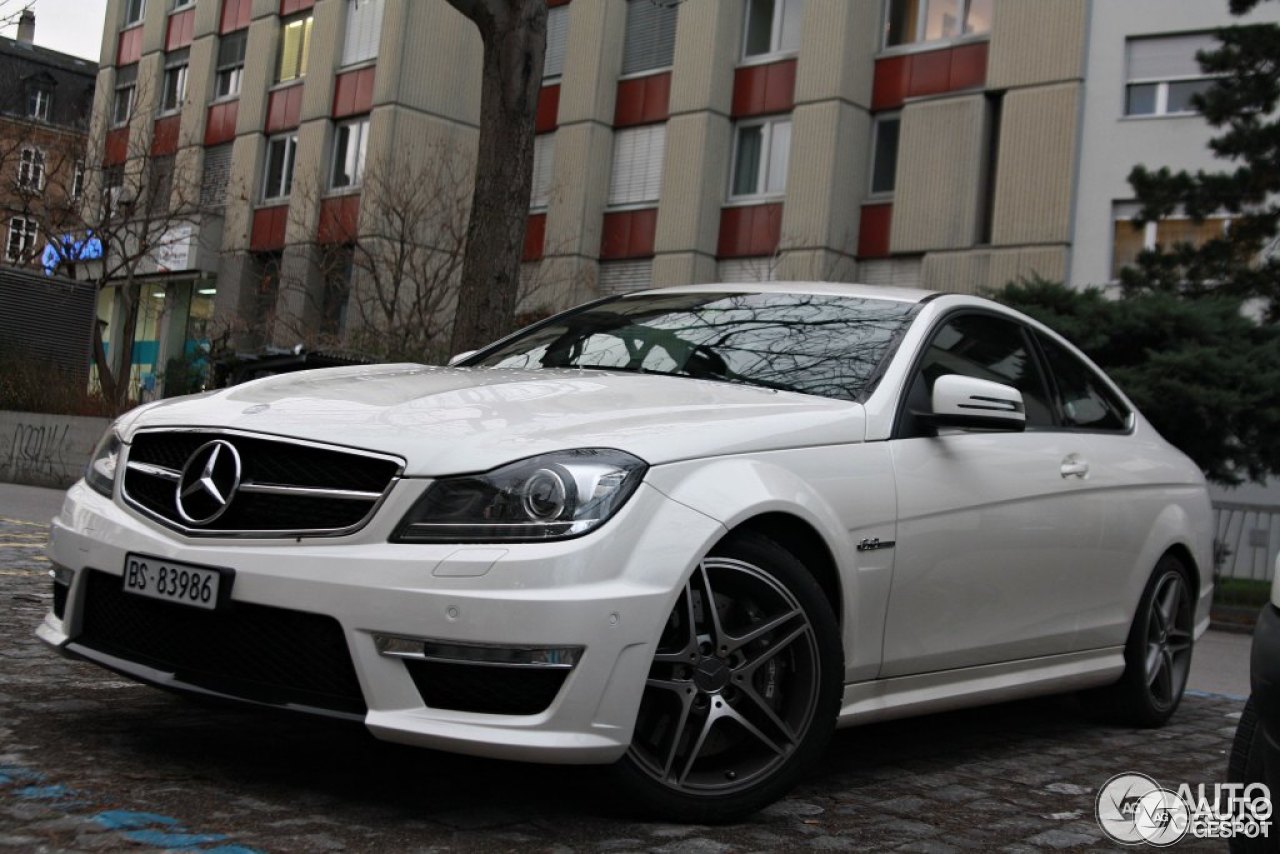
161,839
125,820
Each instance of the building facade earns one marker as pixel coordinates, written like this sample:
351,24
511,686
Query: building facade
949,144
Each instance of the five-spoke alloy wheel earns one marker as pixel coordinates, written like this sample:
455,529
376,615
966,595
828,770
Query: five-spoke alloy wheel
744,686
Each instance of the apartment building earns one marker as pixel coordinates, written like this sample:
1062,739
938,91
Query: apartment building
46,99
938,143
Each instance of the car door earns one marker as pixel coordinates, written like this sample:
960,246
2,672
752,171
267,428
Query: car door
992,525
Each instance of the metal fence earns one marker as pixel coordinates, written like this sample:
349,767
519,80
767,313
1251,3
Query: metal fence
1247,539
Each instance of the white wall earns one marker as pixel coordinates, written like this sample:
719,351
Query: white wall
46,450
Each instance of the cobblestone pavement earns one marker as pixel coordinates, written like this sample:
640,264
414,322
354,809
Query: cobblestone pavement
91,762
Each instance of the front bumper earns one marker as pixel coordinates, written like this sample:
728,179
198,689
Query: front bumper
608,593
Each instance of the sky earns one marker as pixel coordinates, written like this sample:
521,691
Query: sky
69,26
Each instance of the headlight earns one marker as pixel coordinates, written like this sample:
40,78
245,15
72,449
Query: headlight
100,474
549,497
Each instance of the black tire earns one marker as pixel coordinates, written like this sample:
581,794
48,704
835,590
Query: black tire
741,697
1157,653
1248,764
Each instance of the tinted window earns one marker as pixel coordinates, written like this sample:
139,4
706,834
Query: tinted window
823,345
985,347
1083,396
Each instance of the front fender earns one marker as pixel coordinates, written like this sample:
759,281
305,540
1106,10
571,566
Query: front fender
844,494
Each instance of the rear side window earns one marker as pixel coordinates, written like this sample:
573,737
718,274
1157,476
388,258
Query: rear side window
1085,400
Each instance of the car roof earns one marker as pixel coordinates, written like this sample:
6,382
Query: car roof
835,289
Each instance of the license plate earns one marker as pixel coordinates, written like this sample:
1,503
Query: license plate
197,586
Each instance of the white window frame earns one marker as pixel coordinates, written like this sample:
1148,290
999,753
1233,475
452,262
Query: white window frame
1161,83
178,67
129,92
646,184
290,143
359,132
179,5
39,103
776,50
134,12
20,243
31,169
78,174
919,42
880,118
356,9
308,21
232,72
770,124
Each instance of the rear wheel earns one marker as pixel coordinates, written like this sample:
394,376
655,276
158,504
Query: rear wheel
743,690
1157,653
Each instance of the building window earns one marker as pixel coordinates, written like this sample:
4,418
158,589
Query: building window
916,21
126,90
174,91
1163,74
21,245
350,147
278,180
39,99
637,165
364,31
621,277
77,181
760,154
544,156
773,27
31,169
1130,239
650,42
884,153
133,11
295,47
231,50
181,4
557,38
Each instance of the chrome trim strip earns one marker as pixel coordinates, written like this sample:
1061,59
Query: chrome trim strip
308,491
155,471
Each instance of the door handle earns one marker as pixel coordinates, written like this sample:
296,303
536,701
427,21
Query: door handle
1074,466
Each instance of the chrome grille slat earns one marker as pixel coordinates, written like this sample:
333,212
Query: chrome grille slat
289,487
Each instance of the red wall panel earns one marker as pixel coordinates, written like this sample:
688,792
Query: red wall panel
289,7
164,136
236,15
746,232
284,109
268,228
129,48
339,219
535,233
762,89
182,29
931,72
873,231
116,151
220,125
548,109
628,234
353,93
643,100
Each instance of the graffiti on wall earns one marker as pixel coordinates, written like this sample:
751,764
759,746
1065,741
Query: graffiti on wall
39,453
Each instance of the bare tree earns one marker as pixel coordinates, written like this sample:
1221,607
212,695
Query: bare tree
514,35
11,11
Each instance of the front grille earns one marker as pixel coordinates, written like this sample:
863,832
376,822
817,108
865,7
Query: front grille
254,652
489,689
285,489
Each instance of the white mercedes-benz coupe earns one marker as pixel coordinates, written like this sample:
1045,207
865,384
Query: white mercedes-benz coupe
686,532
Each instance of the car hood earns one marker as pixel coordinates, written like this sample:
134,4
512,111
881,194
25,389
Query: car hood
454,420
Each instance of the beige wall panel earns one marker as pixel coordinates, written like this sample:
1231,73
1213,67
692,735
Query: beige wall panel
936,199
244,189
187,173
980,270
708,46
1047,262
825,184
308,182
593,60
155,20
1037,41
111,32
1036,171
683,268
200,82
259,74
817,265
955,272
694,171
429,60
838,46
326,52
208,17
265,8
579,188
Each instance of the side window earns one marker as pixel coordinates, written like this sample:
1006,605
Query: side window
985,347
1084,397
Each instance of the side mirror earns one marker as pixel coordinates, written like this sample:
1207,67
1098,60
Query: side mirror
466,354
960,401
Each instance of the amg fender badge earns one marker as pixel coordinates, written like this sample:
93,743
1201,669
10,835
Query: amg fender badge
870,544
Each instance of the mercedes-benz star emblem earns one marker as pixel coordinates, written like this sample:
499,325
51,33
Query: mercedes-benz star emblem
209,482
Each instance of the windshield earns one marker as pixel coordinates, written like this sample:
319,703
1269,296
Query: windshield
824,345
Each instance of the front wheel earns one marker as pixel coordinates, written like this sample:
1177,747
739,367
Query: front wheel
743,691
